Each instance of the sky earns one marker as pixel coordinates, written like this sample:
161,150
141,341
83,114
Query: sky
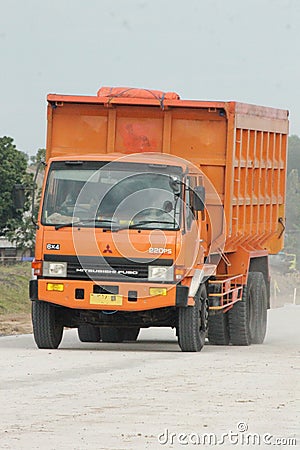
243,50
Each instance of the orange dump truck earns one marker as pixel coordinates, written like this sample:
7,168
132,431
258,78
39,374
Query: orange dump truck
155,212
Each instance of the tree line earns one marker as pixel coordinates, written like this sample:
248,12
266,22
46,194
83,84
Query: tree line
16,167
292,238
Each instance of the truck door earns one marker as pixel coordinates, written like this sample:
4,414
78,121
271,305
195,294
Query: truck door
191,227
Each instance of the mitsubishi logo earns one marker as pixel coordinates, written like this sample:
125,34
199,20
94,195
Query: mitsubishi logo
107,249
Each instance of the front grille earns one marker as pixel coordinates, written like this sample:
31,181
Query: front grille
106,271
110,268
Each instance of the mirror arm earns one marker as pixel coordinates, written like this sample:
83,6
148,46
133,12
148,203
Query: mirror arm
40,164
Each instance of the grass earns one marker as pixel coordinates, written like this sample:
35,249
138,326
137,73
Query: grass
14,295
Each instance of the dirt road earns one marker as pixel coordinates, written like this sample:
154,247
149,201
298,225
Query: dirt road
150,395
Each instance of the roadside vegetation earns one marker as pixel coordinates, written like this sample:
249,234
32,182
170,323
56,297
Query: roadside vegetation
14,281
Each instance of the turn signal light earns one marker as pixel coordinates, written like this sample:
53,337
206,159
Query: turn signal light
37,267
179,273
158,291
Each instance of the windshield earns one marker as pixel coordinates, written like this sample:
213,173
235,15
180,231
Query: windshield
111,194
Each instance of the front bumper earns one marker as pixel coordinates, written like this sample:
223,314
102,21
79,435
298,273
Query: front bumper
135,296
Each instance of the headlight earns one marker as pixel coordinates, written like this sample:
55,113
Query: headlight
160,273
54,269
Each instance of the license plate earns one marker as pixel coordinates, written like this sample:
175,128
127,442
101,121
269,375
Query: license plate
106,299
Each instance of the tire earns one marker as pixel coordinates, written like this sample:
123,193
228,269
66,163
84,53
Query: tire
248,317
238,319
131,334
88,333
218,330
259,297
192,323
112,334
47,328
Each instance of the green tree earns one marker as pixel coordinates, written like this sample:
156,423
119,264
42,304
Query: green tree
24,235
40,156
13,166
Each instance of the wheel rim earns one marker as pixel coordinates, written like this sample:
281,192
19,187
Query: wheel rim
204,315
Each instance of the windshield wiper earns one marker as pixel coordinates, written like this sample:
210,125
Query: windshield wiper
142,222
108,221
78,222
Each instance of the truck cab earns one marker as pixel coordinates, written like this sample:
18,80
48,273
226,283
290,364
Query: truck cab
117,237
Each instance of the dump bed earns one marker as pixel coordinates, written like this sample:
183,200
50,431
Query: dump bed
240,147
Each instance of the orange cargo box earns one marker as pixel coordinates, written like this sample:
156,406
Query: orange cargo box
241,148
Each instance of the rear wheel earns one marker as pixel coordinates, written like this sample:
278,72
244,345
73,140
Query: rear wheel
239,320
192,323
112,334
218,331
259,297
88,333
248,317
47,326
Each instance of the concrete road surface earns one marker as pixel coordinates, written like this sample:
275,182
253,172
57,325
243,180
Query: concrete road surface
148,394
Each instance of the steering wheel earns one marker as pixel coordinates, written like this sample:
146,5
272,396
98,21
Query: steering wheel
148,212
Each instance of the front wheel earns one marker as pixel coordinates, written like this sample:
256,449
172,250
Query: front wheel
192,323
47,326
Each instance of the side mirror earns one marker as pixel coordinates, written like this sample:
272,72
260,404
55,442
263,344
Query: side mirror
198,198
19,196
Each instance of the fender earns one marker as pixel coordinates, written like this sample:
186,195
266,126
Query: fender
201,275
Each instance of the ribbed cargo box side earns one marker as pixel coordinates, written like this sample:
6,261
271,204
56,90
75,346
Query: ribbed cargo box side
256,193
